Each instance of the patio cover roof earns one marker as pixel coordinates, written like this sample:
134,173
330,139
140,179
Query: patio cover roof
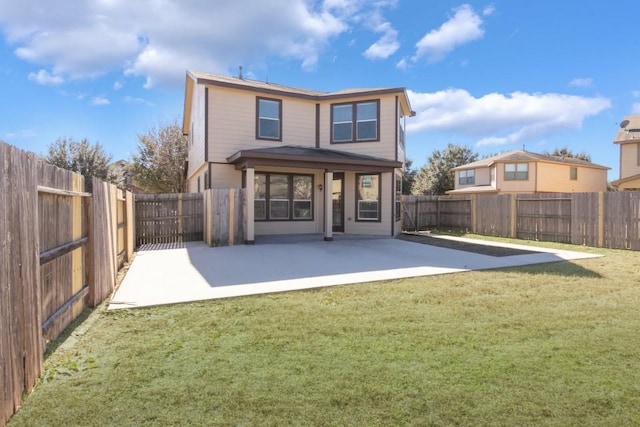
485,189
313,158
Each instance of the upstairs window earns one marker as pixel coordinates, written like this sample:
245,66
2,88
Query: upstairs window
516,171
355,122
269,119
467,177
573,173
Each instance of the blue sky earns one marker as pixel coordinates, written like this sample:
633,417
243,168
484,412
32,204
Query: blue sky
495,76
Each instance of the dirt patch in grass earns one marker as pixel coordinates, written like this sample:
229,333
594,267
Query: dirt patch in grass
478,248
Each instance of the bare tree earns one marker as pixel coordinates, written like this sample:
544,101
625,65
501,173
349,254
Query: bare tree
159,165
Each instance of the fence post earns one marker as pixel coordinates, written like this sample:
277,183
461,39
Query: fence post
474,215
417,211
232,213
180,228
514,213
600,219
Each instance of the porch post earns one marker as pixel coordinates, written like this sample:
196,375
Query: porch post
250,194
328,206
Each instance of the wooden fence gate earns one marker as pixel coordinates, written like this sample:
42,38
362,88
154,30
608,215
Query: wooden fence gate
168,218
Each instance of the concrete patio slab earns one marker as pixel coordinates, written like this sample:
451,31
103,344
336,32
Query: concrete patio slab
194,271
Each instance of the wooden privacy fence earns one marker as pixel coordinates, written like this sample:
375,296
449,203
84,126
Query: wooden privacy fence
225,213
215,216
168,218
59,248
609,220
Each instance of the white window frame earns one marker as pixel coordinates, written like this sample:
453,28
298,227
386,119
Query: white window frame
467,177
519,169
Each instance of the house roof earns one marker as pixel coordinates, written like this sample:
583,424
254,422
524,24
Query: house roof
630,132
526,156
631,178
198,77
308,157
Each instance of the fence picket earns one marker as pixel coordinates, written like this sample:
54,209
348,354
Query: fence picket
168,218
46,263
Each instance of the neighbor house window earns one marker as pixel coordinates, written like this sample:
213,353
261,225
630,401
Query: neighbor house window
516,171
467,177
269,119
368,197
573,173
398,197
283,197
207,181
355,122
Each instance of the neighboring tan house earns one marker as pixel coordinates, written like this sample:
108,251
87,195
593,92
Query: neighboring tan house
628,138
310,161
525,172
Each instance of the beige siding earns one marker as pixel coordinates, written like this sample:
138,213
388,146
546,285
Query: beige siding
225,176
629,160
556,178
192,183
196,133
384,148
232,123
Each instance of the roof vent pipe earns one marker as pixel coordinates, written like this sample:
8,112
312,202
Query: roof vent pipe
240,72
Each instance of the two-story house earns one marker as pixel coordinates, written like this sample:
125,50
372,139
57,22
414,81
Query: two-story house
523,172
310,161
628,138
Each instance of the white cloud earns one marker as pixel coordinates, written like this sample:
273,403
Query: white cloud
463,27
19,134
581,82
498,119
489,10
402,64
159,40
636,93
635,108
43,77
100,100
117,85
387,44
134,100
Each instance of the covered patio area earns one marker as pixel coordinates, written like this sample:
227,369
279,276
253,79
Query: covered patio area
343,192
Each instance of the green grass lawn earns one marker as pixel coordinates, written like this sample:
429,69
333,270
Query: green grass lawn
552,344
